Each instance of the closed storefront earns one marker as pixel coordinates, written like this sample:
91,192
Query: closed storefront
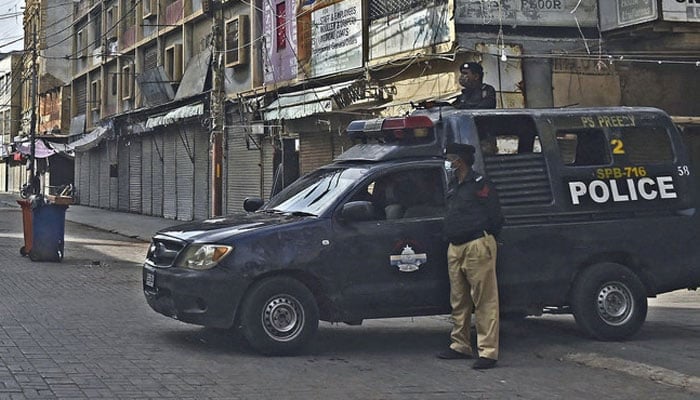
243,167
146,175
202,167
123,171
134,146
315,150
157,178
104,180
185,173
169,175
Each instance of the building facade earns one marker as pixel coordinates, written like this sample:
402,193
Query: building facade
11,166
187,107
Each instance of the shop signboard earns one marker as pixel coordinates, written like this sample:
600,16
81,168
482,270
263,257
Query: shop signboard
336,38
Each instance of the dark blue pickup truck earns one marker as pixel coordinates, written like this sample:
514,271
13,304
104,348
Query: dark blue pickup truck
599,216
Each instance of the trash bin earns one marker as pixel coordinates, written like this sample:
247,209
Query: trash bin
26,226
48,229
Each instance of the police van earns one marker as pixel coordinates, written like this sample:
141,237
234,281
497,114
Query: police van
597,201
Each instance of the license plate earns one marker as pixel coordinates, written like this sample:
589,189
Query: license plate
150,280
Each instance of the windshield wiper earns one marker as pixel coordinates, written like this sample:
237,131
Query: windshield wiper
302,214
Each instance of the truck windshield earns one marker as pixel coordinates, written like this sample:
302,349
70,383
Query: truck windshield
314,193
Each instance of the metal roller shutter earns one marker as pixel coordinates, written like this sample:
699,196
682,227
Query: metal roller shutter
94,178
157,170
123,182
268,154
134,174
104,174
201,174
242,172
77,178
315,150
170,172
112,150
184,157
146,175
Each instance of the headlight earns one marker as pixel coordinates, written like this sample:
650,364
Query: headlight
202,256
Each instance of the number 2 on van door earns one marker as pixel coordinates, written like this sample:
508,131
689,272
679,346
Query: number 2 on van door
617,146
683,170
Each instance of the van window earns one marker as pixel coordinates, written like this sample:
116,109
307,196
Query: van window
507,135
583,147
646,144
406,194
513,159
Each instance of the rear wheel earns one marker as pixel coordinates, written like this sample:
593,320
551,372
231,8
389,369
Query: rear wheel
609,301
279,316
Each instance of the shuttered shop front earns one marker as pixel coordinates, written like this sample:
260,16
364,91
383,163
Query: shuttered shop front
170,142
202,166
243,174
134,145
185,172
146,175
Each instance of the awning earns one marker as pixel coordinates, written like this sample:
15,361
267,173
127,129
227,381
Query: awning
176,115
307,102
41,150
91,140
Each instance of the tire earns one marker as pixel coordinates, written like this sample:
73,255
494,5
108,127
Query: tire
609,302
279,316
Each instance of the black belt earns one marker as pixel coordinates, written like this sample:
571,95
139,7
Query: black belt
468,237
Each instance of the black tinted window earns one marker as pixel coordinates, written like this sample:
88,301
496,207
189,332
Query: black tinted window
646,144
583,147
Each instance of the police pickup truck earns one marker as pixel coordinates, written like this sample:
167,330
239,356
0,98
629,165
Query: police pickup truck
598,207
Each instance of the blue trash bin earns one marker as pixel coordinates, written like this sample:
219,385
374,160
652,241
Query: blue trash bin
48,230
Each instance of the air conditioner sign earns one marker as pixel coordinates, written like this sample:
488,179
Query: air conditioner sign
622,184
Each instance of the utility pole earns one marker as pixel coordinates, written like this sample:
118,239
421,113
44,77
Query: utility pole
216,102
32,128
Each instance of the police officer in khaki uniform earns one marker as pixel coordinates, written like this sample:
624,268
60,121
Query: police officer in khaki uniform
473,218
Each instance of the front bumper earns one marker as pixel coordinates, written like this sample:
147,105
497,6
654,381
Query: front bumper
209,298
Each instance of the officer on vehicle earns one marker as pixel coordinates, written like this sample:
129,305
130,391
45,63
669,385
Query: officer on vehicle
475,94
473,218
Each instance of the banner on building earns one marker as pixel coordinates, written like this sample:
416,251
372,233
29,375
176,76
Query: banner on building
561,13
336,38
279,41
681,10
412,30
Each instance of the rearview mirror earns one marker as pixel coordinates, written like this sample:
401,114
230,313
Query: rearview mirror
358,211
251,204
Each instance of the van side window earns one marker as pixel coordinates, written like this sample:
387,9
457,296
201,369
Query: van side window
507,135
406,194
646,144
583,147
513,159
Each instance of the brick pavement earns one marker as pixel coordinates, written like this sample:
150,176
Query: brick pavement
81,329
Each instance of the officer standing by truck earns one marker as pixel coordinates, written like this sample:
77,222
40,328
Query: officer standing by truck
473,218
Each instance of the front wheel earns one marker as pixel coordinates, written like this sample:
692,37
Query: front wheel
279,316
609,301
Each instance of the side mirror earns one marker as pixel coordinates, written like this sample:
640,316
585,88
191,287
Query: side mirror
358,211
251,204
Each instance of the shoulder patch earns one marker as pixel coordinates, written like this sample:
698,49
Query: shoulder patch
484,192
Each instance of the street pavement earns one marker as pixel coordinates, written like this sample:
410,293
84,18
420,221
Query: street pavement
81,329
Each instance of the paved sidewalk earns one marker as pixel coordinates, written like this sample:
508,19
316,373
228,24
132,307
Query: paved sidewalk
137,226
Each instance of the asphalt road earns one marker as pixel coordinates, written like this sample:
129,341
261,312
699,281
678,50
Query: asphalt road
82,329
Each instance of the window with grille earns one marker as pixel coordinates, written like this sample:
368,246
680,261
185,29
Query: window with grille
236,38
384,8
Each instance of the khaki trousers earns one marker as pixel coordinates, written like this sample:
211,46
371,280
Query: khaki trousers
473,286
